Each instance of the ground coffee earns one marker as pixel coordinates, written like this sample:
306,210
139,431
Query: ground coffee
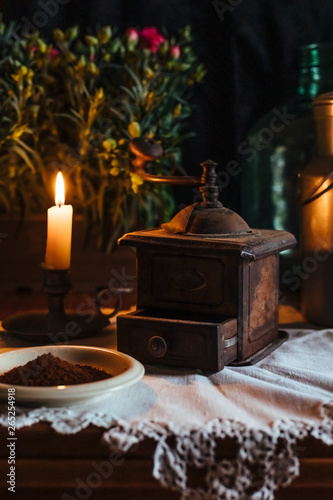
48,370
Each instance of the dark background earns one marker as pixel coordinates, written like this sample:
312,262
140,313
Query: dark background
249,48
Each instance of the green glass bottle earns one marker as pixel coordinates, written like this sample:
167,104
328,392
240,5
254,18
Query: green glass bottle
280,144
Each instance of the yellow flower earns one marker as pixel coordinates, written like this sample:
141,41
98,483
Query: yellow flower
28,92
42,46
150,99
136,180
91,40
17,133
109,144
134,129
114,171
99,94
22,70
149,73
59,35
81,63
92,68
70,57
177,110
104,34
30,75
72,32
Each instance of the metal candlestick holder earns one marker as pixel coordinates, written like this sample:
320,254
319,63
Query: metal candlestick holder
57,325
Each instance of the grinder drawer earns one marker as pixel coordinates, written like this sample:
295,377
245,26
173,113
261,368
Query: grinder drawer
178,341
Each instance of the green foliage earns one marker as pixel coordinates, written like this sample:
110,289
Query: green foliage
73,104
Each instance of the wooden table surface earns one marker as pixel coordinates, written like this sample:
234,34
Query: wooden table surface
55,466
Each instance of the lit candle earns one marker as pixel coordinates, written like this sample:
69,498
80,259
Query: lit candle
59,230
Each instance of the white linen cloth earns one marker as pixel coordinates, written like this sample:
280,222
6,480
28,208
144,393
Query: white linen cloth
266,408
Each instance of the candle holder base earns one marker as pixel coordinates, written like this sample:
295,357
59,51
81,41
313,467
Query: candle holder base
41,327
57,326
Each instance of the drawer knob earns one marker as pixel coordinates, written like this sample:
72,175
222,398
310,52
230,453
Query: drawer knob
157,346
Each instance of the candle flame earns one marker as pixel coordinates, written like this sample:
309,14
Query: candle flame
60,190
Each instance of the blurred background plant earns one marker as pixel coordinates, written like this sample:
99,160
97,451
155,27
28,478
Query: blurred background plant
74,103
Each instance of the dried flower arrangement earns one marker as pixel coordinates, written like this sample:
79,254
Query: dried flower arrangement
74,103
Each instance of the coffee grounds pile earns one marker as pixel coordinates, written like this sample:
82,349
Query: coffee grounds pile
48,370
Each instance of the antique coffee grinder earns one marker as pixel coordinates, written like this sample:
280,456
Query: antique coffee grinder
207,283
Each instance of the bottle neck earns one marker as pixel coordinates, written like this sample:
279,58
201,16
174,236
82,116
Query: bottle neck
314,80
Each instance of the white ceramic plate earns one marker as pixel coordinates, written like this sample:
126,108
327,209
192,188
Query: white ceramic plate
124,369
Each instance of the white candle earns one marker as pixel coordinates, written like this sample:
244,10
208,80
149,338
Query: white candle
59,230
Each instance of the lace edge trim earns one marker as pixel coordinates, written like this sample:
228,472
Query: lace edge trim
266,459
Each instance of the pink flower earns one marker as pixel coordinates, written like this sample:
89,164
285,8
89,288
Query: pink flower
54,53
92,58
175,52
151,38
132,34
